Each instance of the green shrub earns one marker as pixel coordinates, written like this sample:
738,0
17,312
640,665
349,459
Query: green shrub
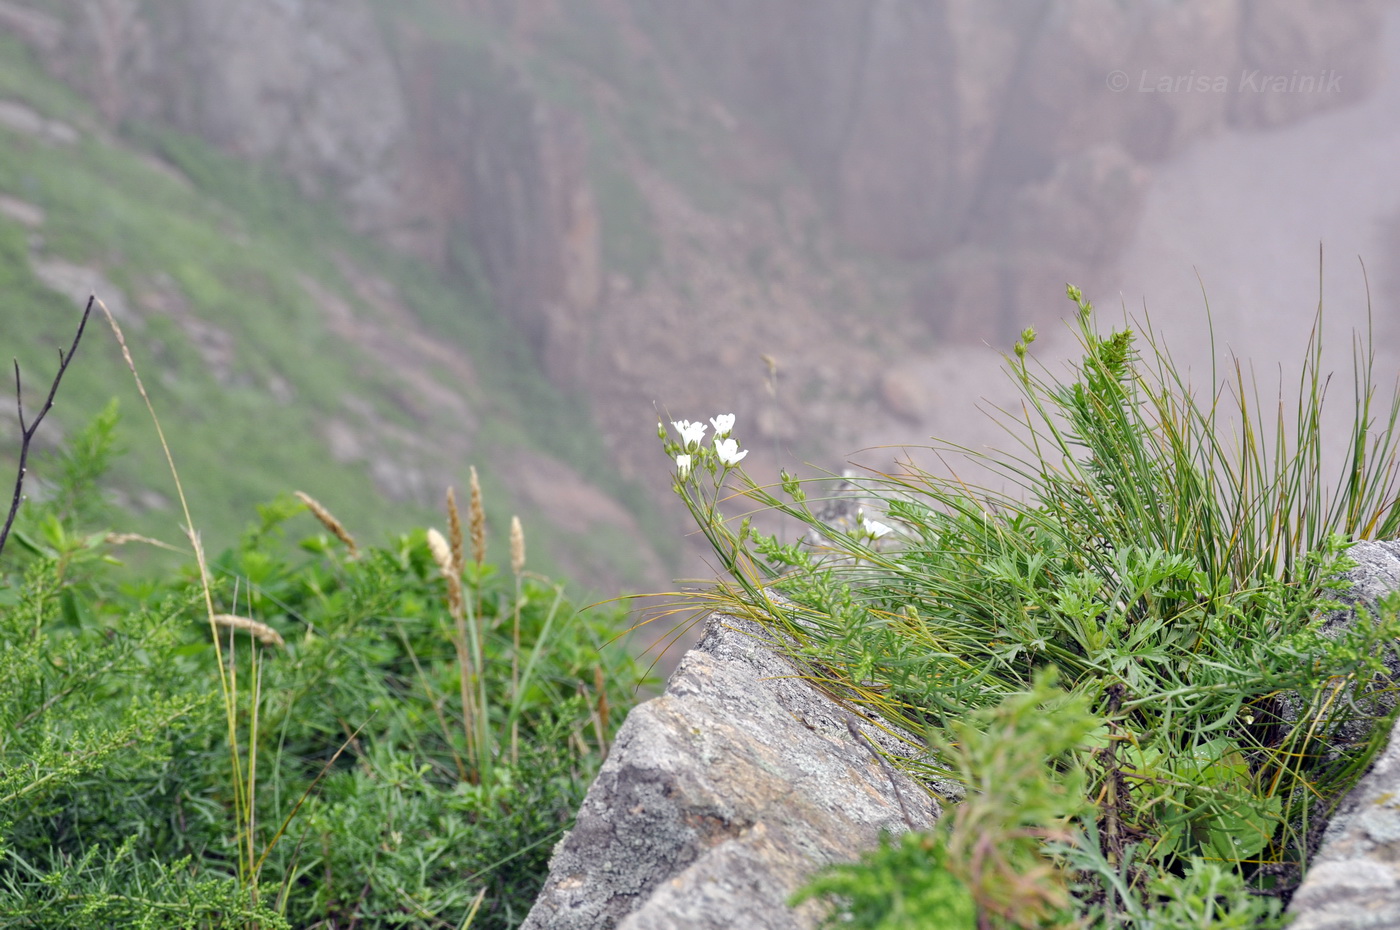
349,744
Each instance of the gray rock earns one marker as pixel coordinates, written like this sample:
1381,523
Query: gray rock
722,796
1376,575
1354,882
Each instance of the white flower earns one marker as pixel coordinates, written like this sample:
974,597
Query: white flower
728,451
683,466
722,424
692,434
875,529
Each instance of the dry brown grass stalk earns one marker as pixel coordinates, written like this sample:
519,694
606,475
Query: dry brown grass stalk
121,539
169,460
243,781
517,563
259,630
451,570
329,521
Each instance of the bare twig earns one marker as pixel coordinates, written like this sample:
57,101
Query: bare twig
860,737
27,431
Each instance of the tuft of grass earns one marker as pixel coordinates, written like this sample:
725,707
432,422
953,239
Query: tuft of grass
1171,555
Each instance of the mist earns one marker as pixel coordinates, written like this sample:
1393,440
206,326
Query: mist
548,225
1247,244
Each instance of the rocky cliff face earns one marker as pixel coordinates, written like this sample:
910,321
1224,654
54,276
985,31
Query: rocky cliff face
971,133
308,87
659,194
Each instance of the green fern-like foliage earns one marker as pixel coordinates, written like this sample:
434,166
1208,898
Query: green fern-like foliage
153,776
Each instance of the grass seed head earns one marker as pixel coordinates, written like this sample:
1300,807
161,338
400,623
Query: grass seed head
517,545
478,522
454,528
442,555
259,630
441,550
329,521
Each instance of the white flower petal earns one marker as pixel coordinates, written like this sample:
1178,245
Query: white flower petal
728,451
692,434
723,424
876,529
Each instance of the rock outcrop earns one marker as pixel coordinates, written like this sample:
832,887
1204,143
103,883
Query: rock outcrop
1354,881
721,797
916,118
308,87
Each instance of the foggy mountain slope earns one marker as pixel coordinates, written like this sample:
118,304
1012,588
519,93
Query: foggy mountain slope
281,351
1245,209
654,196
1248,212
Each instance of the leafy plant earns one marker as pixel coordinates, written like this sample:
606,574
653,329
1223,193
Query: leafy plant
332,778
1018,759
1173,560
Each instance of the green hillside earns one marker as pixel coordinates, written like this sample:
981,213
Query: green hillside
227,283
